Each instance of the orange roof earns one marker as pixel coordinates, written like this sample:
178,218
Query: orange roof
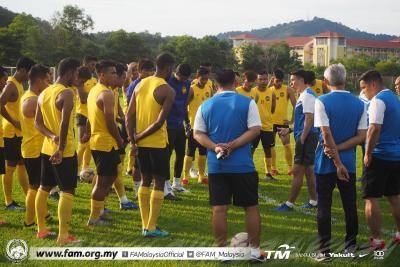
291,41
372,43
397,40
328,34
244,36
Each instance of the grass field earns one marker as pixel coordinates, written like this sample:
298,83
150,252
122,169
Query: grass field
189,222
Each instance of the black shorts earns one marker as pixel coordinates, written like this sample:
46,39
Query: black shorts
304,154
33,169
81,120
267,140
64,174
276,126
381,178
106,162
192,145
241,187
124,136
12,149
154,161
2,161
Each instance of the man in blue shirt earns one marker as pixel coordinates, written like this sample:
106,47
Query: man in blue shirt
342,120
226,124
306,140
176,130
146,69
382,155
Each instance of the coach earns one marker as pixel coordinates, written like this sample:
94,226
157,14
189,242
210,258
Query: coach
342,120
225,125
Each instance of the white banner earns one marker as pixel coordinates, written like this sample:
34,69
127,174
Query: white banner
139,253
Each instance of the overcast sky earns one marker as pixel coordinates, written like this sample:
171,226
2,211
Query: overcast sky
202,17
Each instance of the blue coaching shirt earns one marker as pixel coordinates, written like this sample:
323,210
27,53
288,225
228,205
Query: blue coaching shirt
225,117
178,110
305,104
131,88
384,109
344,114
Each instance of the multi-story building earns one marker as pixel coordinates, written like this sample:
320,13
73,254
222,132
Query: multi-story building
324,47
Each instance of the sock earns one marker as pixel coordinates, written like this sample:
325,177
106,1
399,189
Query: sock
131,163
96,208
267,165
177,180
87,155
201,163
288,155
23,178
156,201
273,154
41,209
187,164
118,184
144,204
137,185
313,202
289,204
377,241
7,184
124,199
30,206
397,234
80,151
64,214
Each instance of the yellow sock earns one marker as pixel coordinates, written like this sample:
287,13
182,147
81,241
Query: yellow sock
64,215
7,184
86,157
267,165
187,164
289,155
131,162
80,151
118,183
156,201
23,178
41,209
201,163
144,204
273,154
96,208
30,206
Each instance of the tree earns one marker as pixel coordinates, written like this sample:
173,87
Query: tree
73,19
388,68
252,57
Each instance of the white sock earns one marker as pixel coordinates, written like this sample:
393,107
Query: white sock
54,189
289,204
255,252
313,202
377,241
177,180
397,234
124,199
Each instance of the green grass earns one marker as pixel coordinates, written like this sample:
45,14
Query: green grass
189,222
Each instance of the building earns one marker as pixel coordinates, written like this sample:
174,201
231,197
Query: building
322,48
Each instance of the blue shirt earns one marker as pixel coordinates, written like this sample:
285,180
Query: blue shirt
179,109
344,114
131,88
226,118
388,115
305,104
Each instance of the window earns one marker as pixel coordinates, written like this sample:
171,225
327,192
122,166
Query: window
322,41
341,41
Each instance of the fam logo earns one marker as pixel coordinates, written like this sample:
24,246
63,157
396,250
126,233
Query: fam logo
267,98
207,94
184,90
282,94
282,253
17,250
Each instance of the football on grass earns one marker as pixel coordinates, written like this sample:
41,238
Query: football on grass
240,240
86,175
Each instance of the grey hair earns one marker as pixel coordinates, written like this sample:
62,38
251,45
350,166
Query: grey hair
336,74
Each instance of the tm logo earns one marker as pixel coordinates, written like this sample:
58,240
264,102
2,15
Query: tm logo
282,253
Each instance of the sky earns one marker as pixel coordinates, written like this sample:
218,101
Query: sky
207,17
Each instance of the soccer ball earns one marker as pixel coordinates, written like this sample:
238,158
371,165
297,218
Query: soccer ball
240,240
86,175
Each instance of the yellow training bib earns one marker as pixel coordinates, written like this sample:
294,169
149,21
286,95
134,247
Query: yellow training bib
147,111
199,96
242,91
280,115
13,109
32,139
52,120
318,88
82,108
